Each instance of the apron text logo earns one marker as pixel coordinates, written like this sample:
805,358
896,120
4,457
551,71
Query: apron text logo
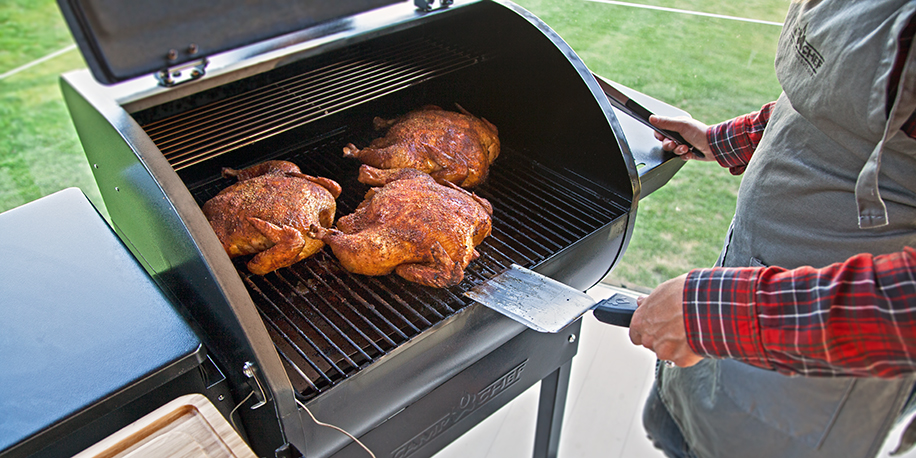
805,50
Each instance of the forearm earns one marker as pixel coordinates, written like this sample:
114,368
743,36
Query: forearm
852,318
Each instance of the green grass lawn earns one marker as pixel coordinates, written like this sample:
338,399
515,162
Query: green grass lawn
39,151
712,67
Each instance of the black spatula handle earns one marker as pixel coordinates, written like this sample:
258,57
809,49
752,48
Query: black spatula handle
617,309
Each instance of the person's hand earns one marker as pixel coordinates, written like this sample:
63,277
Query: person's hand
692,130
658,323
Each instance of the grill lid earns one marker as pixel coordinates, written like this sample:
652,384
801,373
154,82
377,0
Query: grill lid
122,40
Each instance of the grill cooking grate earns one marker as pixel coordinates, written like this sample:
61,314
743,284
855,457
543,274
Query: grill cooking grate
205,132
327,323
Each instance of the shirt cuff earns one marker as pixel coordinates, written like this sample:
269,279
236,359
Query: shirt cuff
717,137
720,316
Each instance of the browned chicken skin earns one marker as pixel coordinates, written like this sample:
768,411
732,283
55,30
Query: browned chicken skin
268,213
422,230
450,146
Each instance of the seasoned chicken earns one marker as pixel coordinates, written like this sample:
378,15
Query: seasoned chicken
450,146
268,213
424,231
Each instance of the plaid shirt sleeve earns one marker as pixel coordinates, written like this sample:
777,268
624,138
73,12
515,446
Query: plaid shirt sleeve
853,318
733,142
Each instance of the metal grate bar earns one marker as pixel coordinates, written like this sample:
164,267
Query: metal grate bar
547,226
223,126
344,289
406,304
288,110
373,297
250,101
394,298
291,366
279,317
590,203
494,256
544,195
367,324
344,329
322,317
351,329
319,317
316,372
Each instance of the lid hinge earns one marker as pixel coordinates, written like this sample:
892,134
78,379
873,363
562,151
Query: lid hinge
183,73
427,5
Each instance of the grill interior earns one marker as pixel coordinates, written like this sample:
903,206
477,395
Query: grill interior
327,323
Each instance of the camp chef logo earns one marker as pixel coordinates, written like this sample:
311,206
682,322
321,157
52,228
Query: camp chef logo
466,406
805,50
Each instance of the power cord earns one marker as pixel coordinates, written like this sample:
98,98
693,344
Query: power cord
232,414
335,428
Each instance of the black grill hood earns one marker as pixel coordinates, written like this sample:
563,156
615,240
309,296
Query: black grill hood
121,40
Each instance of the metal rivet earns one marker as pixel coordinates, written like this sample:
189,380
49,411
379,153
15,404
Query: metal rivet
220,398
95,165
192,49
117,189
172,55
572,338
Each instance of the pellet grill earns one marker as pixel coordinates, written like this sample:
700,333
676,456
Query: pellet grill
405,368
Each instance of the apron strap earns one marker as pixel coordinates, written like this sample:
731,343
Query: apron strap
872,210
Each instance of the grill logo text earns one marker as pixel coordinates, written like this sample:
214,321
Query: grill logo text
466,405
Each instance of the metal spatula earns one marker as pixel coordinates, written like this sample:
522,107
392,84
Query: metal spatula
544,304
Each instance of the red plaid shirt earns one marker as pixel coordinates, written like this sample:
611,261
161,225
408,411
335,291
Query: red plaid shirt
852,318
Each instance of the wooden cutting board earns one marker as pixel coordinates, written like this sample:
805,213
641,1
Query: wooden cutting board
187,427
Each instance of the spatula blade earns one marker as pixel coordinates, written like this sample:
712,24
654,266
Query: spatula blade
539,302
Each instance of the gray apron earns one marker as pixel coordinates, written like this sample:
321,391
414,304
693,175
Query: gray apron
832,177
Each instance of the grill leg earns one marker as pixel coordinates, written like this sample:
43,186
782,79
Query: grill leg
551,405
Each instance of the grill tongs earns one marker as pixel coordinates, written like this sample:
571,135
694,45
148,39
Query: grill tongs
629,106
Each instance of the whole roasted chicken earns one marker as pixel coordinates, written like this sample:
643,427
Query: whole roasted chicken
424,231
450,146
268,213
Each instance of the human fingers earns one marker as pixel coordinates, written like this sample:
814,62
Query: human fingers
659,316
692,131
673,146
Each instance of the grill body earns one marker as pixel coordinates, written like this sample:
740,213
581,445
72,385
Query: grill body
404,367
